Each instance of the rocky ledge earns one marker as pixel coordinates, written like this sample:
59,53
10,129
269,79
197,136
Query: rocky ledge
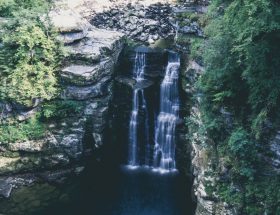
148,23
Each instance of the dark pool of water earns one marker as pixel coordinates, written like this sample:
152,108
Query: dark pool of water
106,191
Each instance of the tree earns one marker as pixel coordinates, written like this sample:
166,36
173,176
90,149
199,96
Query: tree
242,77
29,56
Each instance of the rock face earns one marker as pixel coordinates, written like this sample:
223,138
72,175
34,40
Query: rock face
86,78
87,75
202,158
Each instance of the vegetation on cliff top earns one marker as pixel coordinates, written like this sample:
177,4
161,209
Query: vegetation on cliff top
241,99
29,58
29,55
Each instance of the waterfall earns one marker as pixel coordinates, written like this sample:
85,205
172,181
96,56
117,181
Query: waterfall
160,156
138,102
164,151
176,32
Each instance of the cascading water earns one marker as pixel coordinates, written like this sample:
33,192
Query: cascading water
162,156
138,99
164,152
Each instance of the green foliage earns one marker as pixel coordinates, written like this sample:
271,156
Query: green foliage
29,57
60,109
242,152
196,49
242,76
30,71
9,8
15,131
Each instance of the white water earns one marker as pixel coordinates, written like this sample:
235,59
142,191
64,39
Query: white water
160,157
138,99
164,152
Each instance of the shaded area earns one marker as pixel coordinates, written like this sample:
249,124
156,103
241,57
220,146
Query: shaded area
108,190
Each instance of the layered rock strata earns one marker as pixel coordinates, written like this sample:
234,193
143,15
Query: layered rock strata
86,79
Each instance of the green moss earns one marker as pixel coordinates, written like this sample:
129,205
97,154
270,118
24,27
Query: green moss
22,131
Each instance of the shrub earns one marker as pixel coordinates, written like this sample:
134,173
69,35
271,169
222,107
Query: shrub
14,131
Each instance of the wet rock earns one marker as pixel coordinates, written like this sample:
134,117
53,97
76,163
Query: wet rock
79,170
5,188
126,81
151,40
99,121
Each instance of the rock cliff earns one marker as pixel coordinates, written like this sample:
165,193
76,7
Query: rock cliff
86,78
203,158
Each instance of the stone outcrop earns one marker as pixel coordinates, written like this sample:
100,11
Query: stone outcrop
86,78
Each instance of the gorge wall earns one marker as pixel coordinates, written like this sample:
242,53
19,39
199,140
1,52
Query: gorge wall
203,159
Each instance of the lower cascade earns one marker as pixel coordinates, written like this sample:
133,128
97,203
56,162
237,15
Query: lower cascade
159,155
164,154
